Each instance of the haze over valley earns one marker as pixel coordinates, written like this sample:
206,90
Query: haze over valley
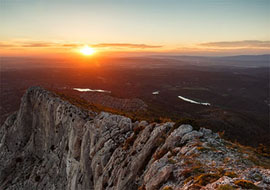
235,91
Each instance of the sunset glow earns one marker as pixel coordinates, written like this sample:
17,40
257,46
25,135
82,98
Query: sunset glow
86,50
113,27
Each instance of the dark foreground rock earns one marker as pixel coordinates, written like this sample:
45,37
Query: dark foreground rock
51,144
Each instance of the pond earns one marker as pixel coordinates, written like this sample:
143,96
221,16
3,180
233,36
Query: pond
91,90
193,102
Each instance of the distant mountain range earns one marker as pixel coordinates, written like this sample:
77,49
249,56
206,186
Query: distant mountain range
239,60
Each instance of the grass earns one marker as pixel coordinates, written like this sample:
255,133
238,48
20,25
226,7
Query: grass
259,161
201,175
205,179
231,174
204,149
246,184
167,188
225,187
193,171
141,187
172,161
257,156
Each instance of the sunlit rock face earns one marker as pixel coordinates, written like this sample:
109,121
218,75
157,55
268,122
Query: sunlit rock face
51,144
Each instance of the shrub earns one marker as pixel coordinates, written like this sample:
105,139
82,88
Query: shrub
187,173
259,162
221,134
129,141
195,187
197,170
194,171
231,174
246,184
188,179
189,121
172,161
202,149
225,187
137,129
141,187
167,188
221,171
191,172
157,120
263,150
205,179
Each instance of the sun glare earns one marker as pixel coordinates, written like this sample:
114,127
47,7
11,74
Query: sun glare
86,50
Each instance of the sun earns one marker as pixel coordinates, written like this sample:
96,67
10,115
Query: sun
86,50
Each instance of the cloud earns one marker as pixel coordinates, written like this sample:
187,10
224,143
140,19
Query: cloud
47,44
126,45
27,44
239,44
6,45
37,44
72,45
112,45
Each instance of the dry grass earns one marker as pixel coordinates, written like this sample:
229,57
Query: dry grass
231,174
141,187
205,179
246,184
226,187
167,188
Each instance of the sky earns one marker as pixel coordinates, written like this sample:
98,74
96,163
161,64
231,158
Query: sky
210,27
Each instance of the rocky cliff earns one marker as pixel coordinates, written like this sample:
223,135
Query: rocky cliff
51,144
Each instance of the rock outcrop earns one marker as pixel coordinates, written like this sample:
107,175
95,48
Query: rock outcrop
51,144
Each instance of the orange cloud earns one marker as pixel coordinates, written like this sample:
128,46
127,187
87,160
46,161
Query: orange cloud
72,45
34,44
38,44
26,44
126,45
6,45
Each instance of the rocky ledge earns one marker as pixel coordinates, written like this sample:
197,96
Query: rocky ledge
51,144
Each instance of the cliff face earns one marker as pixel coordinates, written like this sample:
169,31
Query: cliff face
51,144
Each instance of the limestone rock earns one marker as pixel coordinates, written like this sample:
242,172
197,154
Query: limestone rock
51,144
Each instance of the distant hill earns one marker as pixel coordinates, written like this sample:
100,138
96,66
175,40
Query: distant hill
262,58
239,60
